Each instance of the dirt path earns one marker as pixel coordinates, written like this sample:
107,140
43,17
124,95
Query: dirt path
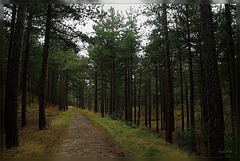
84,139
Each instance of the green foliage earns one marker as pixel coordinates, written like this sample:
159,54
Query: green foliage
184,140
152,152
116,116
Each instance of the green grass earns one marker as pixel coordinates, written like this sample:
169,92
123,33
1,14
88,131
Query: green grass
138,141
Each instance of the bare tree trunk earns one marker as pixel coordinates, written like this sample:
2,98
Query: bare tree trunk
181,85
146,90
186,88
232,65
42,104
25,72
149,95
102,95
95,84
135,101
139,98
213,89
13,21
169,86
156,98
12,87
191,84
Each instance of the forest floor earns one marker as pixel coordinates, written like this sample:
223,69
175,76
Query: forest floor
138,141
84,139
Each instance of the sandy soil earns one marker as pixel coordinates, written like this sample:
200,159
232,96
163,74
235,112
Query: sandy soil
84,139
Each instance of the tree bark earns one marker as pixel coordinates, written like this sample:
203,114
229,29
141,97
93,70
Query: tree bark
102,95
156,99
213,89
95,84
146,90
181,86
169,86
42,104
135,101
139,98
186,92
25,72
126,96
12,87
232,65
13,21
149,95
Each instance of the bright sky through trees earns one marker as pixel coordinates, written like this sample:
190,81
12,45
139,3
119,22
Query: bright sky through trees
121,8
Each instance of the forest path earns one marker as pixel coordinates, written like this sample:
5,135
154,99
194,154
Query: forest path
84,139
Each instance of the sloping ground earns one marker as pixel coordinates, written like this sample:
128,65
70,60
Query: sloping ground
138,141
84,139
40,143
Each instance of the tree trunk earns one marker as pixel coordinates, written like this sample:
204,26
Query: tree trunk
42,119
25,72
139,98
12,87
146,90
126,96
135,101
181,86
203,103
66,93
13,21
232,65
62,92
95,84
169,86
156,99
187,105
191,84
213,89
114,86
102,95
149,95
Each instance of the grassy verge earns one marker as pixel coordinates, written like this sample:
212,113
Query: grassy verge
139,141
40,143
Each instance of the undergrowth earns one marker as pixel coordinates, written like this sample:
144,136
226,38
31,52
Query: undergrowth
138,141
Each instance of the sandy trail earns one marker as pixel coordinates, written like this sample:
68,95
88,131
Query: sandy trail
84,139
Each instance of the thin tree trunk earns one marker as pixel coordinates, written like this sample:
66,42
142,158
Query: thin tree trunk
66,94
146,90
102,95
95,84
135,101
149,95
26,72
181,85
126,96
156,98
42,119
139,98
12,87
29,90
186,88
